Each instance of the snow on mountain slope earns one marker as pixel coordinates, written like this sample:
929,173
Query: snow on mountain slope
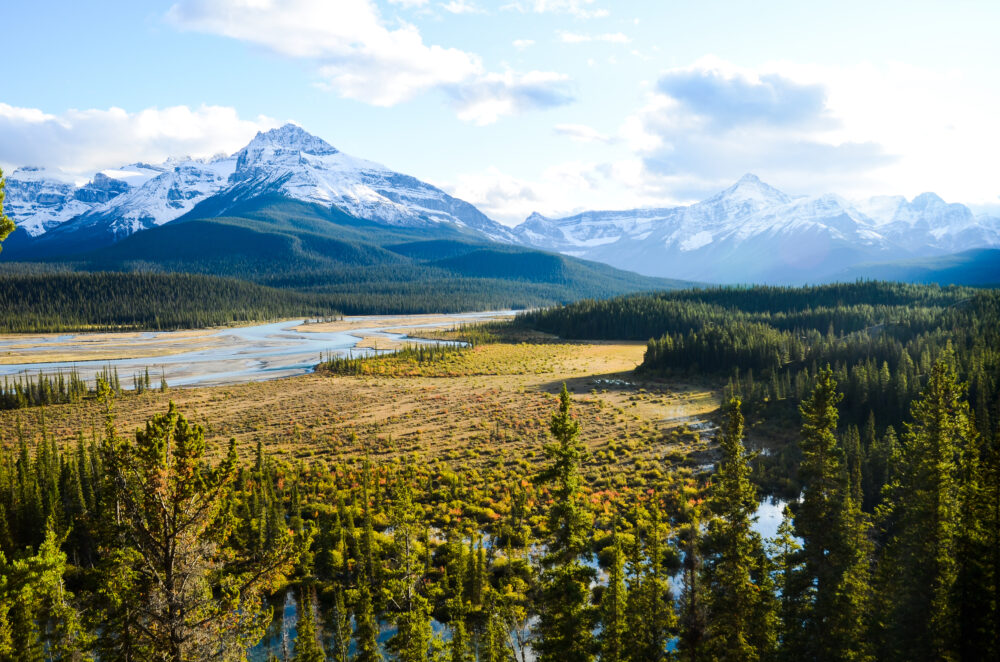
39,200
754,232
287,161
178,187
295,164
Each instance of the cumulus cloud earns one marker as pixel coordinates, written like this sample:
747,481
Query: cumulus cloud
521,44
559,190
80,142
578,8
729,99
461,7
582,133
494,95
706,125
609,37
357,54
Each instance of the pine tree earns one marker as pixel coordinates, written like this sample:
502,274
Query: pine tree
834,549
566,618
693,617
738,581
920,562
307,647
173,522
613,608
650,615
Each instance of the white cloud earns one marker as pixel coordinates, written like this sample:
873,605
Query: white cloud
704,126
461,7
609,37
409,3
578,8
560,190
857,131
80,142
582,133
495,95
521,44
360,57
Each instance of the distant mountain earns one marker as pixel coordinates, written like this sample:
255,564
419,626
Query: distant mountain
291,211
59,218
979,267
752,232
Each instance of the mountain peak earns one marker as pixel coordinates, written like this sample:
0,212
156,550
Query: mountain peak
294,138
750,189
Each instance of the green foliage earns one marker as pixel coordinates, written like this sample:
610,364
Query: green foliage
835,553
566,619
6,225
193,596
738,579
108,301
923,517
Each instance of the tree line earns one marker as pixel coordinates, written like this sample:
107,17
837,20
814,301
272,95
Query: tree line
113,301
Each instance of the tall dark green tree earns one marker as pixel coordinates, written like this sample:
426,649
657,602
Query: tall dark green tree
738,582
650,615
187,586
566,618
614,624
834,549
920,565
307,647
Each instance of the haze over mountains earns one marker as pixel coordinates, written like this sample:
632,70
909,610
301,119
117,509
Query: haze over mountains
750,232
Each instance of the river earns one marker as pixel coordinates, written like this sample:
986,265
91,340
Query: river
222,356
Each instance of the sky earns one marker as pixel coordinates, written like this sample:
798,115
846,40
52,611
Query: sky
521,106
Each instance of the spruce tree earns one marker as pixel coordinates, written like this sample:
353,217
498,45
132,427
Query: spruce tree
833,533
738,581
650,614
920,563
307,647
566,619
613,608
173,522
340,627
693,616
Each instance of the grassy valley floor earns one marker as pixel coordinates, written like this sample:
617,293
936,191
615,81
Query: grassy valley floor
487,405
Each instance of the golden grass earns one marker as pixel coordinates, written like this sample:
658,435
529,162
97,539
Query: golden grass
490,405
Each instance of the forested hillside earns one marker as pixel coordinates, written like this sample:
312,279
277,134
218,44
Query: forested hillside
359,266
106,301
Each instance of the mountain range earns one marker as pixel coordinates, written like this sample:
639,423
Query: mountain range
293,183
752,232
289,210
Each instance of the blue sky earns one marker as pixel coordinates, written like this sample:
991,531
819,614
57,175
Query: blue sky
524,105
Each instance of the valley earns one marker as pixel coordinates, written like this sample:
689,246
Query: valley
491,409
219,356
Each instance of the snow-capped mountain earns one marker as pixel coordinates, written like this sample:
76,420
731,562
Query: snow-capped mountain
116,202
754,232
288,162
301,166
40,200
